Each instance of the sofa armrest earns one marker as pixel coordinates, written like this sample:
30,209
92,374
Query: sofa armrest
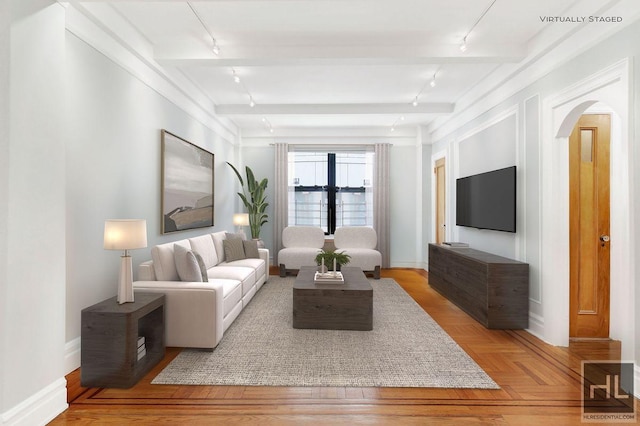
146,271
193,311
264,255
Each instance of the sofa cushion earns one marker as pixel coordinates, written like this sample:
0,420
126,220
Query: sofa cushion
232,295
256,264
251,249
233,249
189,264
205,247
246,275
218,238
164,264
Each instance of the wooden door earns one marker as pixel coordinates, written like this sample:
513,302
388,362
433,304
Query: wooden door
440,201
589,227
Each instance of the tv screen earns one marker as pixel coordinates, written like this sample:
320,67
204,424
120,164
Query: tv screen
487,200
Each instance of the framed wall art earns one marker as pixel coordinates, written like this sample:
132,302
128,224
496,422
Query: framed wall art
187,185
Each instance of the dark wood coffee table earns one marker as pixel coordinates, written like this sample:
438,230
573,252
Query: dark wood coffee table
347,306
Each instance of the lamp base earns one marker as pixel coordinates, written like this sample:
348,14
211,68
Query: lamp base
125,283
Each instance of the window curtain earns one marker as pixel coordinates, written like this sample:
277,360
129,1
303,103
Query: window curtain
281,199
381,210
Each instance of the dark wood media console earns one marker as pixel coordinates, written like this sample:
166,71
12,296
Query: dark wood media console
492,289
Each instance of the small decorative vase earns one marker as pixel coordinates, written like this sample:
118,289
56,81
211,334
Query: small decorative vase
259,242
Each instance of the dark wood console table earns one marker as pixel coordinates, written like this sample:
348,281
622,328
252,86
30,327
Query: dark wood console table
492,289
109,345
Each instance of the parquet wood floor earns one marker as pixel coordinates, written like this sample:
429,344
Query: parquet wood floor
540,384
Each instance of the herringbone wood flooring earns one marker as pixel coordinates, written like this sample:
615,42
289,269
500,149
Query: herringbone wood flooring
540,384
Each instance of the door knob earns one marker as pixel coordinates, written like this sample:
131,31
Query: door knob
604,238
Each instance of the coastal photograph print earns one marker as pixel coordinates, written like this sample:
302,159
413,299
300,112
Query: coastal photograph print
187,185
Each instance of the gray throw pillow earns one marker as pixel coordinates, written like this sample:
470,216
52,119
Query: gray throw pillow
238,236
251,249
233,249
203,268
189,264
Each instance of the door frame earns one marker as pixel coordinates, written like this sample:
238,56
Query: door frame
610,87
434,158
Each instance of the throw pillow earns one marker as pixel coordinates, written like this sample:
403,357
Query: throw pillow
251,249
188,266
203,268
238,236
233,250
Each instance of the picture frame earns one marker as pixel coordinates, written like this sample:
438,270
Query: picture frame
187,200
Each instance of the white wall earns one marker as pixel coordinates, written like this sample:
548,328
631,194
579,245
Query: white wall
532,138
405,183
32,385
113,156
5,149
261,160
500,138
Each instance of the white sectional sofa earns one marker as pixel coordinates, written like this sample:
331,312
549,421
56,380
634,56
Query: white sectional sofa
197,312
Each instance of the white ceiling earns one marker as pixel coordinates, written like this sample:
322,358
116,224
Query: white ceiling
344,63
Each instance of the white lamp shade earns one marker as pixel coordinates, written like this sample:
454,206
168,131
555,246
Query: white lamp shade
125,234
241,219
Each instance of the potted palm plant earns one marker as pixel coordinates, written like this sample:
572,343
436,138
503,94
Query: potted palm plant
328,256
254,199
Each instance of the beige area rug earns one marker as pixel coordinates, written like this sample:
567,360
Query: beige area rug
406,348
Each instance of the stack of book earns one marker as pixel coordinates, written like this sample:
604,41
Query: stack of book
142,349
331,277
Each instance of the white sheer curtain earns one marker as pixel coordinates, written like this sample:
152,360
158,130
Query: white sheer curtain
281,202
381,211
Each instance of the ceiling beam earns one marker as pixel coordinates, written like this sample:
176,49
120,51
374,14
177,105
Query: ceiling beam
185,53
305,109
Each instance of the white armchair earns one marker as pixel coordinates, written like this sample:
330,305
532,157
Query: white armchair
360,243
301,246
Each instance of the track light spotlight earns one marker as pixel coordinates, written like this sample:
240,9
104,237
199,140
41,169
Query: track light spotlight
415,101
463,46
251,102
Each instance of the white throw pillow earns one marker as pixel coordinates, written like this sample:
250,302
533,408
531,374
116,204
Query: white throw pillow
189,264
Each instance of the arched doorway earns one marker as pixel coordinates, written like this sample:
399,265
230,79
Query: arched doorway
608,90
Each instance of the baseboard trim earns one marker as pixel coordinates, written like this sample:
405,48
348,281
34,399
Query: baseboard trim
636,380
40,408
536,326
410,265
72,355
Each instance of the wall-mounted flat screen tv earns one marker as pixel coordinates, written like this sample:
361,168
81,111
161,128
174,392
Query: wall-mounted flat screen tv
487,200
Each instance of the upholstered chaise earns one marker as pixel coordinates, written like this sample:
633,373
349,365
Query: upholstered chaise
301,245
360,243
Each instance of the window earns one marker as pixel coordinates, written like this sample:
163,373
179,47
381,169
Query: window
330,189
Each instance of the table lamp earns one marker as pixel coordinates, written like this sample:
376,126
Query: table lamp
241,220
125,234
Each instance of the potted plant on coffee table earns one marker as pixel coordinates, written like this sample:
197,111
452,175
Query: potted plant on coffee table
328,256
254,199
